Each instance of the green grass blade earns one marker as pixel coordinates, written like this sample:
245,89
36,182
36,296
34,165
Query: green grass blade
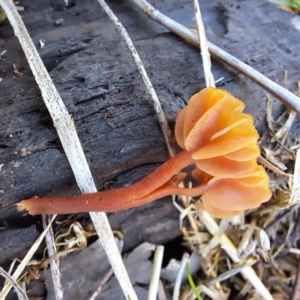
191,281
290,3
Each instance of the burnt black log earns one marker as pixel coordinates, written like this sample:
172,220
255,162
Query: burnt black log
102,89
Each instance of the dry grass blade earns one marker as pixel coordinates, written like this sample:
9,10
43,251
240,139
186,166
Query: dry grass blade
286,126
270,156
281,134
271,167
295,197
229,273
214,295
54,264
209,78
68,136
105,279
21,294
25,260
285,96
176,290
155,275
186,201
160,114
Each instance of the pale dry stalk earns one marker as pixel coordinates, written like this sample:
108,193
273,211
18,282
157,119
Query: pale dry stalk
157,106
295,197
155,275
54,263
204,48
177,285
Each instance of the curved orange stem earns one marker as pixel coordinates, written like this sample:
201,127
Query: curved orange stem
113,200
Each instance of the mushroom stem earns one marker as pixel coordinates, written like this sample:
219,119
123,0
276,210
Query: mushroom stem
114,200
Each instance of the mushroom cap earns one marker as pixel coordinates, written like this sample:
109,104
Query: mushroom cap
223,143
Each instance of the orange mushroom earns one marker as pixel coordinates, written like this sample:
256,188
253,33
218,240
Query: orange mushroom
215,136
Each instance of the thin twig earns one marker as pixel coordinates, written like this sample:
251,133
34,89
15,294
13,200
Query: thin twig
296,286
54,264
285,96
271,167
68,136
209,78
230,273
20,292
155,275
105,279
177,285
160,114
279,217
26,259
